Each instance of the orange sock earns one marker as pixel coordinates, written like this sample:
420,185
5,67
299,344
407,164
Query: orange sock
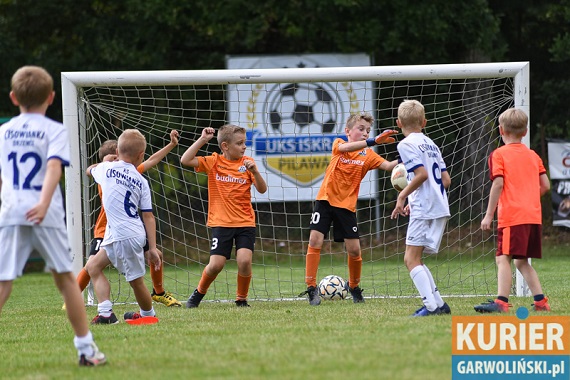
205,282
354,271
83,279
312,265
242,287
157,276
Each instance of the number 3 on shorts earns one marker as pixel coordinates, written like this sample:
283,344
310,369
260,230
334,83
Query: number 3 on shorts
214,243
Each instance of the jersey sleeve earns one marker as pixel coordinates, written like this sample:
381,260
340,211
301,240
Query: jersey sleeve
496,165
410,156
205,163
146,199
59,146
97,172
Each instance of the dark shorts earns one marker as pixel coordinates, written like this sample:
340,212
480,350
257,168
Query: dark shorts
344,221
95,246
223,240
522,241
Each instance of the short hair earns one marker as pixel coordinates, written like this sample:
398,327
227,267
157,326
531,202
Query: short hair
131,143
226,133
514,121
411,113
356,117
31,85
108,147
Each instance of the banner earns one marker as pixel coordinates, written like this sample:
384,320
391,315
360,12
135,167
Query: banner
291,126
559,166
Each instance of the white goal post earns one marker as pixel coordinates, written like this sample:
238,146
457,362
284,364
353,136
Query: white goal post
291,115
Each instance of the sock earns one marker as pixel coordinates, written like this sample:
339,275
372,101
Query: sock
84,344
83,279
421,281
538,297
242,286
438,300
504,299
354,270
105,308
205,282
147,313
312,266
157,276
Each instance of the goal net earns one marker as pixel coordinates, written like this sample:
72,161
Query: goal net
291,117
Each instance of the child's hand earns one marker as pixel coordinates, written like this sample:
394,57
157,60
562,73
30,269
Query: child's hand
154,258
174,136
37,213
208,133
385,137
250,165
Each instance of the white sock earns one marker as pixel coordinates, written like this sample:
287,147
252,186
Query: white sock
421,281
105,308
438,300
149,313
84,344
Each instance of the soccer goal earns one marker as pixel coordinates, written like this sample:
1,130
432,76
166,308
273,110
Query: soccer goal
291,117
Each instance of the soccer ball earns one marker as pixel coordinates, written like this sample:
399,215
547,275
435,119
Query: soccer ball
302,108
333,287
399,177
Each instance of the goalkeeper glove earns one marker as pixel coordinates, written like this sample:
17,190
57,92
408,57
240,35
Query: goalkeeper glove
383,138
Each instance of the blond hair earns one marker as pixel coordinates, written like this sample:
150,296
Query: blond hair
108,147
514,121
411,113
32,86
226,133
131,143
356,117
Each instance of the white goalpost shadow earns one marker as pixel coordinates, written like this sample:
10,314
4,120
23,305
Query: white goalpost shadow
77,118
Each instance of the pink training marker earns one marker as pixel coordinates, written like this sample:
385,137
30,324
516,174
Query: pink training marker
142,321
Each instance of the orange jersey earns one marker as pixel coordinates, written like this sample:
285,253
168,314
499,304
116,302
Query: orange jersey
521,169
229,191
343,175
101,223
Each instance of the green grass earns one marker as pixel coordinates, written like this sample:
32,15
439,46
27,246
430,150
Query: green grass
270,340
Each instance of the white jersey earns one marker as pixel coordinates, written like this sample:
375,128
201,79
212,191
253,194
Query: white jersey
125,191
429,201
27,142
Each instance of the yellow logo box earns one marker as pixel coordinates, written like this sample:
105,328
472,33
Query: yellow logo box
509,335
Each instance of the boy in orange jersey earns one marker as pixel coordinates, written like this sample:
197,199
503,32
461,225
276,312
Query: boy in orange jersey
159,294
336,200
519,180
230,213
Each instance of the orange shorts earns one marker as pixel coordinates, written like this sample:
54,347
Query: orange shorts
521,241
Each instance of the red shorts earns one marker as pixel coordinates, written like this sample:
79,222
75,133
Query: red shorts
521,241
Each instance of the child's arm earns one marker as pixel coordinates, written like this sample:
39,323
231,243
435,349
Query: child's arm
420,176
494,195
258,181
158,156
53,174
383,138
544,184
150,227
107,158
388,165
189,157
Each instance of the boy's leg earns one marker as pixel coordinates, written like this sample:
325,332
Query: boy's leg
505,280
244,258
102,288
413,261
209,274
143,297
5,291
531,278
313,258
354,269
159,294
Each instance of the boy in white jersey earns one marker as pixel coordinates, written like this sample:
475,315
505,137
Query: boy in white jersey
427,203
125,191
33,150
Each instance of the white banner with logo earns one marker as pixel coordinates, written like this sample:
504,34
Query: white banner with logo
559,166
291,126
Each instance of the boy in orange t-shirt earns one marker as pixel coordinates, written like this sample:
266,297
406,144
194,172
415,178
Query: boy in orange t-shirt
336,200
159,294
519,180
230,212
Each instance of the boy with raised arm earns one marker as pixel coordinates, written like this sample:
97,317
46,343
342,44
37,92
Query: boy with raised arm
519,180
125,192
427,207
230,212
159,294
33,150
337,197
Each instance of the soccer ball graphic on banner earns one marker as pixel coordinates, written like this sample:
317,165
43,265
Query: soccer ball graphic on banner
333,287
302,108
399,177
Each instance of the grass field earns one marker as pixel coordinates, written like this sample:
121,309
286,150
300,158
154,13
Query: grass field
270,340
